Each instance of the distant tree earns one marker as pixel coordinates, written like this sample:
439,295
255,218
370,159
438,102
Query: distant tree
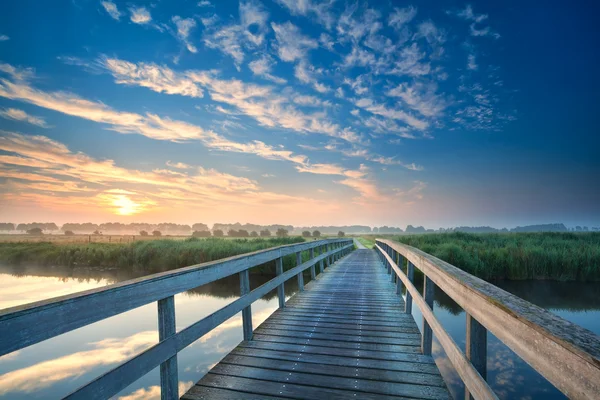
69,233
341,234
281,232
201,234
253,234
34,231
200,227
217,233
316,234
232,233
578,228
156,233
7,226
305,233
265,233
97,232
143,233
243,233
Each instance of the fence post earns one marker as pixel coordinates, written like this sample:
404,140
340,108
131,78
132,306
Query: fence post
410,272
428,294
280,288
321,251
300,276
476,348
399,261
246,312
313,272
169,380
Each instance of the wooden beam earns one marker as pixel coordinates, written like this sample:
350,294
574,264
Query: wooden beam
476,350
300,274
428,294
313,272
280,288
169,378
247,311
410,272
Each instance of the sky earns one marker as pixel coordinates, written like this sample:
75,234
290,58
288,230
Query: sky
304,112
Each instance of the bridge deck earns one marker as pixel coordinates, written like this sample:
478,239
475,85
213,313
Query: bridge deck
345,336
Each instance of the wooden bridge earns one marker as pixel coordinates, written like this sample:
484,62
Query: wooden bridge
349,333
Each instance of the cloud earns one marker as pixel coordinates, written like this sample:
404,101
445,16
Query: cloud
311,101
352,27
263,67
178,165
307,73
4,38
421,98
319,9
469,15
358,57
111,9
20,115
291,44
140,15
410,62
402,16
184,26
205,3
393,113
249,33
471,63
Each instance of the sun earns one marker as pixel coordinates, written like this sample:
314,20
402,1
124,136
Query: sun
125,206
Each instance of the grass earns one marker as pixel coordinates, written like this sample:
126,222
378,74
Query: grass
368,242
516,256
149,256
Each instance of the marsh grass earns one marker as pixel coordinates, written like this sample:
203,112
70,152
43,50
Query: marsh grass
149,256
516,256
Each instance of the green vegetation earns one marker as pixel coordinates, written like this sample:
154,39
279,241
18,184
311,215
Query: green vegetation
148,256
368,242
516,256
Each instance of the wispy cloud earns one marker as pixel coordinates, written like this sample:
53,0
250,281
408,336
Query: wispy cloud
20,115
420,97
111,9
4,38
471,62
319,9
291,44
263,67
184,27
402,16
476,19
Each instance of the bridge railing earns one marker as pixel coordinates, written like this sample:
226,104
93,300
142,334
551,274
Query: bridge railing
567,355
28,324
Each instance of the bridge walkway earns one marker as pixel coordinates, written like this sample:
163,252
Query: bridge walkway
345,336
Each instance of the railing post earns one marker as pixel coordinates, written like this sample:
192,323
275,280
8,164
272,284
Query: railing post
410,272
476,348
280,288
169,380
321,251
398,280
313,272
246,312
329,247
427,337
392,273
300,276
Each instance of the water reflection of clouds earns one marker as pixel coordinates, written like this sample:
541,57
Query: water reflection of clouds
23,290
153,392
105,352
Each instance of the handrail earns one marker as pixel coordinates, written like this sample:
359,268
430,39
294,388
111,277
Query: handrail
567,355
28,324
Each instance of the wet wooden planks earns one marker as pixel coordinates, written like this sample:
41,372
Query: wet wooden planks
345,336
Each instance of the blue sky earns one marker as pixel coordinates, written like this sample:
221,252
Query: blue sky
303,112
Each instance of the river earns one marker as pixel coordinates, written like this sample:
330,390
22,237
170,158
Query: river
56,367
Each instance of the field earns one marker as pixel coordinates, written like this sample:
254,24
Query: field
147,255
516,256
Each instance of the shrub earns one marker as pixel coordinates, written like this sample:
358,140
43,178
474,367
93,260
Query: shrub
218,233
316,234
143,233
201,234
156,233
69,233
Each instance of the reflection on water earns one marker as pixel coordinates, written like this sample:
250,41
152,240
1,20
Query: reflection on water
54,368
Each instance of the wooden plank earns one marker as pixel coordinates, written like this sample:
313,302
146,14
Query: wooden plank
356,384
204,393
382,375
261,388
409,333
398,366
309,333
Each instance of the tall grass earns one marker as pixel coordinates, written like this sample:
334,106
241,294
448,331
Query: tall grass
149,256
516,256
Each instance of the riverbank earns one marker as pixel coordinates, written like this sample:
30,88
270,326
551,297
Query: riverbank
516,256
148,256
